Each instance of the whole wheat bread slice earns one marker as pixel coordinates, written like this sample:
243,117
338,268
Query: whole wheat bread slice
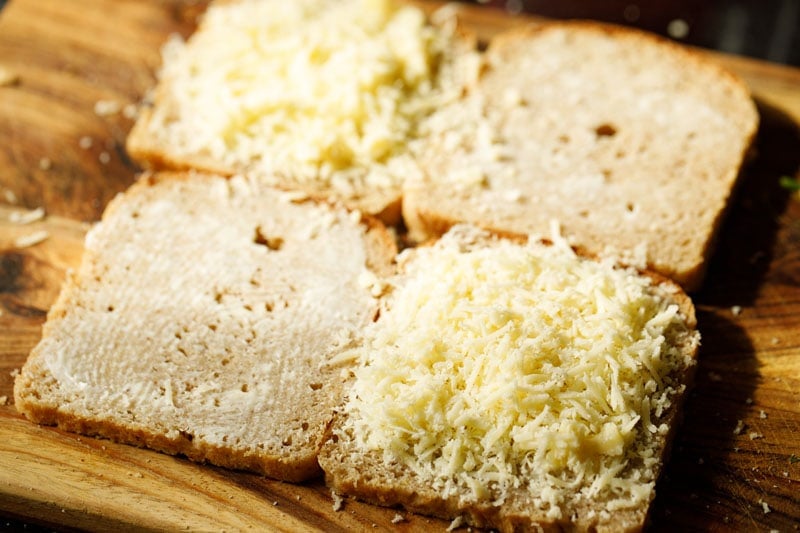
202,320
628,140
421,425
317,95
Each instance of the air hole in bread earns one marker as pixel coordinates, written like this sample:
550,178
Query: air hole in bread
245,387
630,207
178,335
182,351
606,173
273,243
110,308
225,361
583,213
248,307
605,130
212,327
287,441
563,139
135,214
269,306
304,426
377,315
315,386
218,297
186,435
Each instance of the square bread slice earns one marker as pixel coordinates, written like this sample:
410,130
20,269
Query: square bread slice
201,305
516,386
322,96
629,141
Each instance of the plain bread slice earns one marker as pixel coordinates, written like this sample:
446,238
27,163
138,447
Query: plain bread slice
630,142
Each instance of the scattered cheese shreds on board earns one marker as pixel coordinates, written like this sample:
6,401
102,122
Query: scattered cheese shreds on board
31,239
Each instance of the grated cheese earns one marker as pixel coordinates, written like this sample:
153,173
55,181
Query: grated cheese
322,91
497,366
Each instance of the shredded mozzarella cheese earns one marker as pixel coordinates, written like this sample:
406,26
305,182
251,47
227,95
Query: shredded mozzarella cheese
321,91
505,366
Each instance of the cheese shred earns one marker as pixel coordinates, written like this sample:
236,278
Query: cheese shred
498,367
322,91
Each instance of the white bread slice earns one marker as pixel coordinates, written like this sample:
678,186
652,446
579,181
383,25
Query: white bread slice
626,139
201,306
515,386
317,95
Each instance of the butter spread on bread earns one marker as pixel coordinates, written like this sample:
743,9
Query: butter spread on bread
624,138
201,320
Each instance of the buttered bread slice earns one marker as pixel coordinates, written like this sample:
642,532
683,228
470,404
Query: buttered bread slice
202,319
629,141
515,385
318,95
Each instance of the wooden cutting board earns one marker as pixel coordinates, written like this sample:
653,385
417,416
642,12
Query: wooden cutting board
736,462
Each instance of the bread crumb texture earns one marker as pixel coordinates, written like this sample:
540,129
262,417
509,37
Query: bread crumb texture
185,331
498,369
312,90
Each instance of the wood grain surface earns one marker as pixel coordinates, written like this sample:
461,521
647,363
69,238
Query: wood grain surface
735,465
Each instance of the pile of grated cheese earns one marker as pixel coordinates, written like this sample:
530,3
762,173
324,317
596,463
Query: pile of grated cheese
318,90
501,366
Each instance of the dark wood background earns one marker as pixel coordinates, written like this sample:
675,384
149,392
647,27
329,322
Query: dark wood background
61,58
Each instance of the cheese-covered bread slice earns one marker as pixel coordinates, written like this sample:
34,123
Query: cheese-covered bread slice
515,385
318,95
629,141
201,306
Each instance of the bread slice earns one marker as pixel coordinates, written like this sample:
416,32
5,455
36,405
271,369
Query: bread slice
515,386
317,95
624,138
201,305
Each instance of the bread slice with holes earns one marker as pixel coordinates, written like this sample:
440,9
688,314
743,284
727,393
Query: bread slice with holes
517,386
202,320
627,140
322,96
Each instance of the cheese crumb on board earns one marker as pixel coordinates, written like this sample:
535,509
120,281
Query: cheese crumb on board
338,501
32,239
496,364
104,108
8,77
26,217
